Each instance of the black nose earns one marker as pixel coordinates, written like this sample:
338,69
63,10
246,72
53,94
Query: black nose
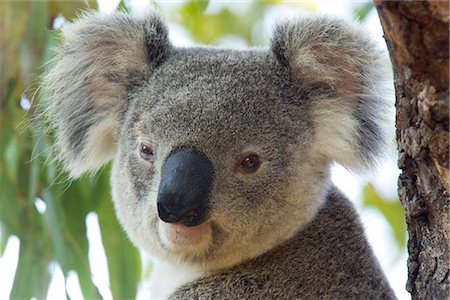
183,195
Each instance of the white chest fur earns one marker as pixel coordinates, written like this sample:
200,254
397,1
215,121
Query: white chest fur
167,277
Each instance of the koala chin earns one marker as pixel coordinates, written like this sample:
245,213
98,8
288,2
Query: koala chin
221,157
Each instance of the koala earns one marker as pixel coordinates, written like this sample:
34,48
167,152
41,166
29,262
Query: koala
221,158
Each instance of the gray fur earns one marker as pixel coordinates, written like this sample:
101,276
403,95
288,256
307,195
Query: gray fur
312,99
325,260
99,60
336,58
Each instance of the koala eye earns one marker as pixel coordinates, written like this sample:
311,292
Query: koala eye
146,153
249,163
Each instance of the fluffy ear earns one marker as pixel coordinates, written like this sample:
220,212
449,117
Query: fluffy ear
99,59
345,76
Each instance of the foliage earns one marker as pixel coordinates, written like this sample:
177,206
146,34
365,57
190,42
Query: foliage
363,10
28,173
392,210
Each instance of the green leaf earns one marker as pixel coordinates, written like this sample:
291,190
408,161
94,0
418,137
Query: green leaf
210,28
123,7
124,262
362,11
11,158
13,21
35,38
69,239
3,239
199,6
32,277
392,210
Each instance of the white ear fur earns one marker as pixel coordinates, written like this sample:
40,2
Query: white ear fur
336,135
99,146
99,59
344,73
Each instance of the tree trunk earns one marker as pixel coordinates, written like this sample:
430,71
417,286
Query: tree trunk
417,35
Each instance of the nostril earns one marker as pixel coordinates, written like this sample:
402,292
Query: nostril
190,215
165,214
193,217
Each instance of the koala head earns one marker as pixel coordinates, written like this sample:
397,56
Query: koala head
218,155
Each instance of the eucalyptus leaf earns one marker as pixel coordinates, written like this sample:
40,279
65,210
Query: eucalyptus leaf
362,11
391,209
123,258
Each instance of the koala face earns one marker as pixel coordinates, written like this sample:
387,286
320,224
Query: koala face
218,155
218,110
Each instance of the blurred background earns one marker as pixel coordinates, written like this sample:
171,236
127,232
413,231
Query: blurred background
60,239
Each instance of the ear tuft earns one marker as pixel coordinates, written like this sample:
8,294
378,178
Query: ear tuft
345,75
157,41
99,59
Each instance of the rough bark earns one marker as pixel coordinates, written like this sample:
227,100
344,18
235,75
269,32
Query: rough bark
417,35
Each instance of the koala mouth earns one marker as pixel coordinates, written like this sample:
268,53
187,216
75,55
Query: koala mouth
177,236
